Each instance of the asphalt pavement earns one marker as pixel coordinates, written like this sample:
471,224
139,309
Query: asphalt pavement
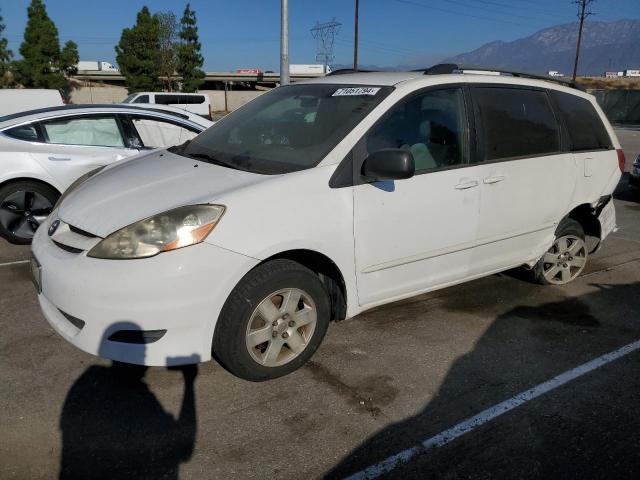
380,385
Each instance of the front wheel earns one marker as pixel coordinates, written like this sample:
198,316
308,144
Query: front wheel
566,258
24,205
273,321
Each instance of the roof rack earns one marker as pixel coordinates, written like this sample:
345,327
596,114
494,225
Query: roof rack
446,68
343,71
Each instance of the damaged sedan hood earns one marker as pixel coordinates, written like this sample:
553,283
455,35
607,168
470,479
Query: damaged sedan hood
138,188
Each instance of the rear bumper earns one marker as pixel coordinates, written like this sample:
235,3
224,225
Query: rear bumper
87,300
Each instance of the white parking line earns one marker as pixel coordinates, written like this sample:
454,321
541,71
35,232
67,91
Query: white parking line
466,426
18,262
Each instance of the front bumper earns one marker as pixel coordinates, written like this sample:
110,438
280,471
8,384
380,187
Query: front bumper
181,292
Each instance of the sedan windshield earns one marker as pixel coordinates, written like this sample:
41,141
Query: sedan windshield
288,129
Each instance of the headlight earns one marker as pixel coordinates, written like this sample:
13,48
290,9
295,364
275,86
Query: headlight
76,184
167,231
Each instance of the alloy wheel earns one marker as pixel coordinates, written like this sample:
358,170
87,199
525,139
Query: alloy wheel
22,212
281,327
565,260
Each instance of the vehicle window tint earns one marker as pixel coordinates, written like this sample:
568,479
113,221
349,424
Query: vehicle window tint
586,131
24,132
515,123
156,133
96,131
432,125
142,99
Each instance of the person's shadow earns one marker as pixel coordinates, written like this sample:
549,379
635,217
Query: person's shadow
114,427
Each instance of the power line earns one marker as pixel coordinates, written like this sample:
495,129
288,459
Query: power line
479,17
491,10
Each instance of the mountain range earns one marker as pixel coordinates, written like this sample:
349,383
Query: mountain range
606,46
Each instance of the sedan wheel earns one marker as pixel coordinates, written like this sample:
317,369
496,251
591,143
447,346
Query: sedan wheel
23,207
565,260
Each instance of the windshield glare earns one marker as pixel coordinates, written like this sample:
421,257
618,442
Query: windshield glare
288,129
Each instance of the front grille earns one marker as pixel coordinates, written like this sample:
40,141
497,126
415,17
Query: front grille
81,232
76,322
67,247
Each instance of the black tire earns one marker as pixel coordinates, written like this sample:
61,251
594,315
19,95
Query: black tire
567,227
229,340
10,221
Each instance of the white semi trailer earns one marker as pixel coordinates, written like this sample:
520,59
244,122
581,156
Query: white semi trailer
90,65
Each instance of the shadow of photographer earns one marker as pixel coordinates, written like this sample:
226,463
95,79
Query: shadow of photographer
114,427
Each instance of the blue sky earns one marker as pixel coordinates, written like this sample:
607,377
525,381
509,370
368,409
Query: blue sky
245,33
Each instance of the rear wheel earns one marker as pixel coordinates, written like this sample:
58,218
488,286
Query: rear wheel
273,321
566,258
23,207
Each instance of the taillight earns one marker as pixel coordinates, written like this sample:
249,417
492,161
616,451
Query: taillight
621,160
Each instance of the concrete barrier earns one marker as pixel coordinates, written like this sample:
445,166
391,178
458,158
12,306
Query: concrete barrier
115,94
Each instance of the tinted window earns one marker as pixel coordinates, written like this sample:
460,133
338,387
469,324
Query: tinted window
156,133
431,125
287,129
24,132
95,131
179,99
142,99
586,131
515,123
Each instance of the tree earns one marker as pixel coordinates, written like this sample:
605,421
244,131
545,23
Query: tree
138,52
168,54
40,65
189,58
69,58
5,58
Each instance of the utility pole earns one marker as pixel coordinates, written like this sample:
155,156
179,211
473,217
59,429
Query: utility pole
355,40
284,42
583,14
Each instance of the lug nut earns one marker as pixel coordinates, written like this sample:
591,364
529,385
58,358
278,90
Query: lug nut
292,323
285,316
565,265
274,323
285,335
274,334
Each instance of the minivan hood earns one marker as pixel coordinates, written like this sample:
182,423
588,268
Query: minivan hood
146,185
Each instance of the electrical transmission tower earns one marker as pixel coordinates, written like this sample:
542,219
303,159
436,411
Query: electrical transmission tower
583,13
325,34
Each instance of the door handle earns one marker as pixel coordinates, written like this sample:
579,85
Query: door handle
494,179
59,159
465,185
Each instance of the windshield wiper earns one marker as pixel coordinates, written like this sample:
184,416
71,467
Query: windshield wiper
211,159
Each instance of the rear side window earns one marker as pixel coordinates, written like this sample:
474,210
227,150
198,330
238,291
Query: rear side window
179,99
27,132
515,122
142,99
585,128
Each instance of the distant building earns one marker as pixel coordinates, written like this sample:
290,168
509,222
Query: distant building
632,73
611,74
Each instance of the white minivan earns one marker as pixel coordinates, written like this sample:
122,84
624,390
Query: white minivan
198,103
318,201
14,100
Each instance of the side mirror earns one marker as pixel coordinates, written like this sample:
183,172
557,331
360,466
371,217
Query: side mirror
388,164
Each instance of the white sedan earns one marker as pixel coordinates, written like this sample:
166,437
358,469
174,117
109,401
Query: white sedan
44,151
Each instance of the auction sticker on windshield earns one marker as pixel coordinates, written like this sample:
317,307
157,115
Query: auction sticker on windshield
354,91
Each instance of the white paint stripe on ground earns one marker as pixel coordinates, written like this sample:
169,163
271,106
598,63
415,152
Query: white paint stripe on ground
18,262
466,426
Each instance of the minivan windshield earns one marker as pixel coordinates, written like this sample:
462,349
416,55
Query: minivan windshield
288,129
